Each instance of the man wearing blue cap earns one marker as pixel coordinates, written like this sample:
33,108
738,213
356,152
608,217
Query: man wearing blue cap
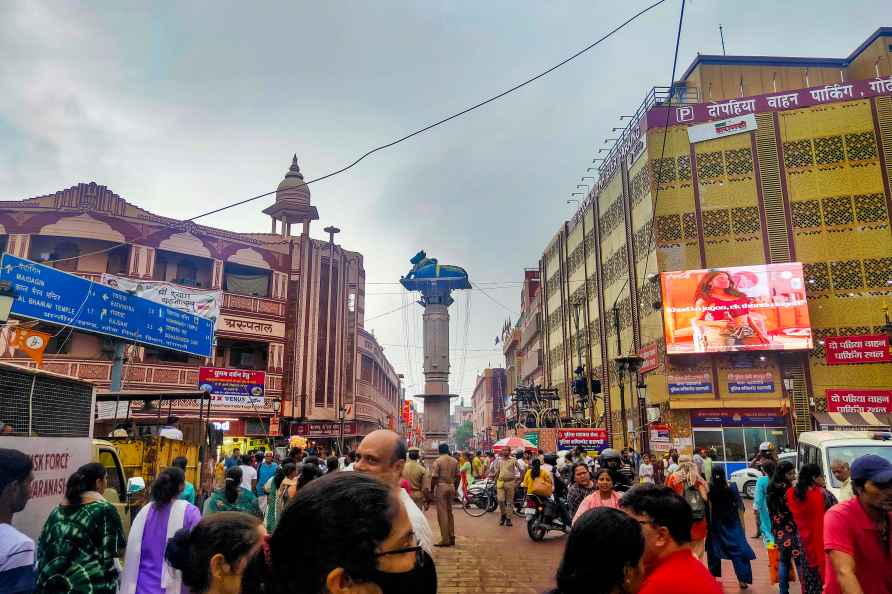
857,532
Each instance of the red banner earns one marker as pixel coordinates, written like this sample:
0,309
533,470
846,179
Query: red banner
651,354
843,401
860,348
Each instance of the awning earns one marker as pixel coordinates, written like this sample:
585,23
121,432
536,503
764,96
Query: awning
852,419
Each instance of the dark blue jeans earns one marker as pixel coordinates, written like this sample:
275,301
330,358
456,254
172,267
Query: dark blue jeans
785,566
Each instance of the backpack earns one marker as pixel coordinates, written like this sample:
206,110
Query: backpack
695,500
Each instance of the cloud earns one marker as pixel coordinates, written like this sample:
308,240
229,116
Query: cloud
181,108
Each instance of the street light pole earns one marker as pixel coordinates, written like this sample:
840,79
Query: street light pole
331,230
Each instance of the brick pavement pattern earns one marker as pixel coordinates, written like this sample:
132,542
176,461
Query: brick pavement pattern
491,559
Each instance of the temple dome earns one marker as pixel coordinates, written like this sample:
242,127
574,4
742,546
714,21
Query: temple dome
292,189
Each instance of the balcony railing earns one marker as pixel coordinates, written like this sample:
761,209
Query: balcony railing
137,376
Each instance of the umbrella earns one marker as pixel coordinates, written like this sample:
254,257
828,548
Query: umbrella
513,443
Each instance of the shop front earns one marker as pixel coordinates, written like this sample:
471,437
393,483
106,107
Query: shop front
324,435
734,435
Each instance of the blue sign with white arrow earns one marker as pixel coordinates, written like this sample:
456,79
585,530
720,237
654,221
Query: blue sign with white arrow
50,295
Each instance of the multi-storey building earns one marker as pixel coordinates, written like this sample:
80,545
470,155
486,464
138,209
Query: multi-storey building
378,391
530,323
513,355
292,306
752,161
488,402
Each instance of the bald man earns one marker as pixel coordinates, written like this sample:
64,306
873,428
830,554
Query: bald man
382,453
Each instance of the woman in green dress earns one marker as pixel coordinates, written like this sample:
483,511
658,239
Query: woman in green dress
82,537
232,497
281,488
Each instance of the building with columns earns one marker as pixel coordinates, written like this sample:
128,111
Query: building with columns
292,305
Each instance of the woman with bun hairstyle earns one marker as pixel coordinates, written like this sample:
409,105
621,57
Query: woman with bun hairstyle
144,569
232,497
344,533
213,556
81,538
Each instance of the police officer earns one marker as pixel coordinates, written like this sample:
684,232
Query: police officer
444,473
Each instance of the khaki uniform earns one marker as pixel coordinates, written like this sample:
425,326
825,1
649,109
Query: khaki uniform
507,472
444,472
416,474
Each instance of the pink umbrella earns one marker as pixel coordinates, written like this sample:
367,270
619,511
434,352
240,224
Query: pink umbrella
513,443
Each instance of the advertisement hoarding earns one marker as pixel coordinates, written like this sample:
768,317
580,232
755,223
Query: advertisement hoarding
861,348
592,439
232,387
738,417
843,400
660,437
741,308
324,429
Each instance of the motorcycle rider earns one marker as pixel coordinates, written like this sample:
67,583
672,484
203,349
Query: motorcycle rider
612,461
767,451
560,490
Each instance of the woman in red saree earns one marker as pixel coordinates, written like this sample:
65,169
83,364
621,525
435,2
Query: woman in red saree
806,503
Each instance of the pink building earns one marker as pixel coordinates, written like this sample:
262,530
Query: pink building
292,305
488,402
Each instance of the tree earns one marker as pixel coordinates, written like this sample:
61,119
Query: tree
463,433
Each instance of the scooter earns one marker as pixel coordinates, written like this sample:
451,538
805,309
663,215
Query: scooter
542,516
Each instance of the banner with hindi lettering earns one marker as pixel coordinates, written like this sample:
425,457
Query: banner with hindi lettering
204,303
860,348
232,387
843,400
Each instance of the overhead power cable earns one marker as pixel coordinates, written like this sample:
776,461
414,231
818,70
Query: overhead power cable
408,136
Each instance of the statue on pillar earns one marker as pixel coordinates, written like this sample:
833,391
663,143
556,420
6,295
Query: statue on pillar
435,282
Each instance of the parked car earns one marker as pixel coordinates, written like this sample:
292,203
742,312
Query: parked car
823,447
746,478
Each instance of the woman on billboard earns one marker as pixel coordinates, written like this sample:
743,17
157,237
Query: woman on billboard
726,317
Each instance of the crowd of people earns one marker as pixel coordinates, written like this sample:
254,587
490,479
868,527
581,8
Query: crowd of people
307,525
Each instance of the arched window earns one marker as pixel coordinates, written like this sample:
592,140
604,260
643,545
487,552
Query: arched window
187,273
65,256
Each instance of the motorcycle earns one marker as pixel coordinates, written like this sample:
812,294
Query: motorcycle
542,516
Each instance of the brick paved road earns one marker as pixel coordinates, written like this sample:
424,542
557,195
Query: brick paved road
489,558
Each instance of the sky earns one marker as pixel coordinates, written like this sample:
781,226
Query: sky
184,107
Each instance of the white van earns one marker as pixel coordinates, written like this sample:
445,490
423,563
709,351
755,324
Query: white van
823,447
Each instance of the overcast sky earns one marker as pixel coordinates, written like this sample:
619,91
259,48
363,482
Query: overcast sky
184,107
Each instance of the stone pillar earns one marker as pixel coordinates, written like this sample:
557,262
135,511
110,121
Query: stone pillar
436,376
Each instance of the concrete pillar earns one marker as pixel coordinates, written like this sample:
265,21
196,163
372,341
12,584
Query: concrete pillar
436,349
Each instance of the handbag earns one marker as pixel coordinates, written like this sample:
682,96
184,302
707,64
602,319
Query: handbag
542,486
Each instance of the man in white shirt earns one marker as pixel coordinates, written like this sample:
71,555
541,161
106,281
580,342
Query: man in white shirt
382,453
17,573
170,430
249,474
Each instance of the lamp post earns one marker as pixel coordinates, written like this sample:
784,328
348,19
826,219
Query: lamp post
342,414
885,328
626,364
7,296
331,230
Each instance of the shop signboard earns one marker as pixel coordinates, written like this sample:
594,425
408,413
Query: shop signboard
843,400
860,348
721,128
750,382
650,353
690,382
533,438
737,417
736,309
660,440
592,439
324,429
232,387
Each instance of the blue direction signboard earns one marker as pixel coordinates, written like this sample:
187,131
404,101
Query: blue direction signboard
57,297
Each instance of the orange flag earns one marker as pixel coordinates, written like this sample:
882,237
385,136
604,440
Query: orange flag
31,342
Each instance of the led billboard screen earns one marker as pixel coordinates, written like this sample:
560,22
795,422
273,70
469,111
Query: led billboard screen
741,308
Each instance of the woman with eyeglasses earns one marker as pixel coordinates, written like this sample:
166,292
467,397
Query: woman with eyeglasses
346,532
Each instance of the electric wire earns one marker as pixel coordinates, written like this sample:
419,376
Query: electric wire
440,122
661,161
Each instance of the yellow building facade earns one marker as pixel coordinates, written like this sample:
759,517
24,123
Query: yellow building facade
794,167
